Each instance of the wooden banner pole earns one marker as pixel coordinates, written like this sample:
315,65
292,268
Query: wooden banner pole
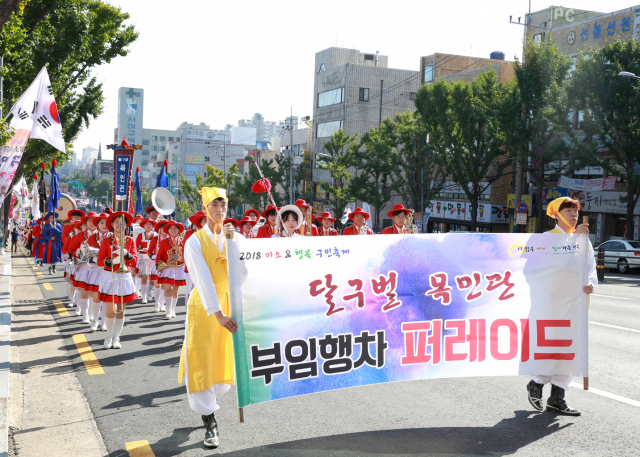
585,380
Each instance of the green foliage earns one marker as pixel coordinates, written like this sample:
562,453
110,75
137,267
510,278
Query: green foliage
72,37
341,150
611,107
463,120
99,188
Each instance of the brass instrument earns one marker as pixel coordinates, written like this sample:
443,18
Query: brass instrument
163,200
409,223
309,220
145,265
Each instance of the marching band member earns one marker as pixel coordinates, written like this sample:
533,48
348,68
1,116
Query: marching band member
135,229
206,360
327,220
82,268
97,309
170,265
269,228
143,242
358,228
565,210
291,217
117,289
304,209
153,251
38,247
246,226
51,236
199,220
67,232
399,215
71,270
153,213
253,214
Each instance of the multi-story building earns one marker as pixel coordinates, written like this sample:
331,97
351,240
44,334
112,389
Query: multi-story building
354,91
89,154
573,31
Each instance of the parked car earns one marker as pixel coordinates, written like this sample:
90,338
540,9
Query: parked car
621,255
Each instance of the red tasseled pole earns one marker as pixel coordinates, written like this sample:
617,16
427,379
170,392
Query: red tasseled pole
43,166
54,163
165,164
137,169
35,177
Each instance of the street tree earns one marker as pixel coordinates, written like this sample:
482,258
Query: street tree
611,113
463,121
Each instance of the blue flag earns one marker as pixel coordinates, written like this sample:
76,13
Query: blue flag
138,193
161,180
54,196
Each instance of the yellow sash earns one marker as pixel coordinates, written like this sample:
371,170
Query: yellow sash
209,348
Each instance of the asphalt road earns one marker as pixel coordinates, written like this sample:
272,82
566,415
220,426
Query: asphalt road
138,398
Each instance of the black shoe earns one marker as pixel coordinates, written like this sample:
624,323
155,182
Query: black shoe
50,272
211,435
54,268
535,394
556,403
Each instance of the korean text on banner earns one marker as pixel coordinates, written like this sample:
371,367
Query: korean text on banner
122,175
382,309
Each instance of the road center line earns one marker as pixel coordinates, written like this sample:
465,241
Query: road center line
39,274
86,354
609,296
615,326
62,311
47,286
139,449
610,395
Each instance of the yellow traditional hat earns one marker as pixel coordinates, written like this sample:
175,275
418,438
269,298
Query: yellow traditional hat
554,206
209,194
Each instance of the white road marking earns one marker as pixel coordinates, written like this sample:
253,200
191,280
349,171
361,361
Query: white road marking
609,296
604,393
615,326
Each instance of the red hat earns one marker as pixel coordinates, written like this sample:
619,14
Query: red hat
151,208
88,216
138,218
197,217
301,204
325,214
359,211
76,225
261,186
174,224
269,208
127,217
146,220
159,224
108,210
398,207
255,211
245,220
230,220
97,218
75,212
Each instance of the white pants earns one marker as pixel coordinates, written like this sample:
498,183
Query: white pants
560,380
204,402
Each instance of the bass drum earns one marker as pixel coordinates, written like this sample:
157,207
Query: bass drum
65,205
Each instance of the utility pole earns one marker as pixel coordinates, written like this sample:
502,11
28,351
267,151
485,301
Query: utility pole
224,153
380,117
291,163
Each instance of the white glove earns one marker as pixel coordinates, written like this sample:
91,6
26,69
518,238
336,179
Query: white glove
93,261
116,260
65,257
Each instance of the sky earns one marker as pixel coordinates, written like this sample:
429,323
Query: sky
218,62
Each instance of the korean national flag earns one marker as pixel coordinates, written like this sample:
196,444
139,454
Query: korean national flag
46,125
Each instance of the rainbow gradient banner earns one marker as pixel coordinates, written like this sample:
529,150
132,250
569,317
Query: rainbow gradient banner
324,313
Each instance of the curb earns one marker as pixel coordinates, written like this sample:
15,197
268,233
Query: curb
5,349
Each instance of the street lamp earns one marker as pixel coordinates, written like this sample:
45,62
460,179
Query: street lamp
627,74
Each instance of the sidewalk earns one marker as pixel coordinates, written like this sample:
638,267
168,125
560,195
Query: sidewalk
5,350
48,414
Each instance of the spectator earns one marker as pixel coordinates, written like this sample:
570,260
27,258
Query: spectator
14,240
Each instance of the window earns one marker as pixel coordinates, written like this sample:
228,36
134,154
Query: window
570,117
331,97
327,129
206,158
368,57
616,246
364,94
428,73
154,138
574,60
580,117
145,163
154,148
162,148
538,38
145,142
161,138
145,153
178,139
411,95
170,138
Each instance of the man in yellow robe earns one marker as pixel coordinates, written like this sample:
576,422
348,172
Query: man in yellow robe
206,360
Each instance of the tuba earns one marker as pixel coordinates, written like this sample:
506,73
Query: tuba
163,200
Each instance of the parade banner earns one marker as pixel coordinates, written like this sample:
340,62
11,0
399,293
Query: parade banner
329,313
123,160
588,184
